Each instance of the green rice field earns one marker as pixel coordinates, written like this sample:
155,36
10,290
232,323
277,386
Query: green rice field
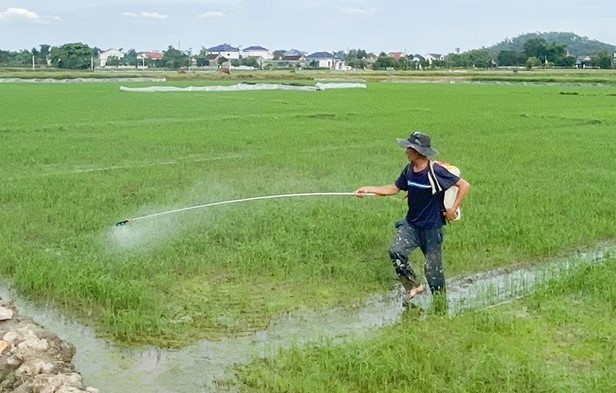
77,158
560,339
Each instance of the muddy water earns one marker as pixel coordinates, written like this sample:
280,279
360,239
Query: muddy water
200,367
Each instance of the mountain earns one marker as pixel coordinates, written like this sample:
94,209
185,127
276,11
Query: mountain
576,45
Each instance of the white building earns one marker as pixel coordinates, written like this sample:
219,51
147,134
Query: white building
257,52
431,57
326,60
104,56
225,50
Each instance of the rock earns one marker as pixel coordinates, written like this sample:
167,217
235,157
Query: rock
33,360
5,313
10,337
48,383
14,361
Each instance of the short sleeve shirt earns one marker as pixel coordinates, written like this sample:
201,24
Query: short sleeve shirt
425,209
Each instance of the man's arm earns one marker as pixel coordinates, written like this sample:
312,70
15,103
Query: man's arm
389,189
463,189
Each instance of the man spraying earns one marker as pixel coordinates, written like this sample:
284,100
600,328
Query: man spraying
425,182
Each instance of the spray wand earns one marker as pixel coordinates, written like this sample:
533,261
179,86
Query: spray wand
124,222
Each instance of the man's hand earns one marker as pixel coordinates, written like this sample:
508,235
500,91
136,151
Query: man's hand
361,192
451,214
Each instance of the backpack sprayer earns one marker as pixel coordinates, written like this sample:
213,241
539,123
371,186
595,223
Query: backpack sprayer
124,222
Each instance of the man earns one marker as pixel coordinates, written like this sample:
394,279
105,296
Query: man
422,226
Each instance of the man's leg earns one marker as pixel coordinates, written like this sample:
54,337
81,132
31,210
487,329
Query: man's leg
405,241
431,245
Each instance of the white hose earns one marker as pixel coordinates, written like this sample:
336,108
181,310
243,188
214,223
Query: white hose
242,200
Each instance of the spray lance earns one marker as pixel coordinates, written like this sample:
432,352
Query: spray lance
124,222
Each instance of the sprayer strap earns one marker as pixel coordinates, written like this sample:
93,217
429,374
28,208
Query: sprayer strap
436,187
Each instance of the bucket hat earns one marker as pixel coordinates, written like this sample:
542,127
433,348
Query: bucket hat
420,142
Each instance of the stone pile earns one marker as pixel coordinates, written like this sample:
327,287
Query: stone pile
33,360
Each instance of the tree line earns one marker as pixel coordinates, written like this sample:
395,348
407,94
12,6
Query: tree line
536,51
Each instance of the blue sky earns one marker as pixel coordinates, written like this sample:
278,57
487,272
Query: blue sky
427,26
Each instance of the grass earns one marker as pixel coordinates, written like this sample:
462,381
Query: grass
553,341
79,157
536,75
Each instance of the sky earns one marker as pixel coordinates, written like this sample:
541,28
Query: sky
410,26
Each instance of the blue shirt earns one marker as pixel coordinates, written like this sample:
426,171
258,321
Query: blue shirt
425,209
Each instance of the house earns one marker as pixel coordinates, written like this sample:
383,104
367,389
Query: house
431,57
325,60
104,56
583,62
155,56
294,55
147,58
257,52
396,55
225,50
213,58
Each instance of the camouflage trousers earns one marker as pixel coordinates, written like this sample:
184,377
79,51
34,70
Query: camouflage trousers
429,241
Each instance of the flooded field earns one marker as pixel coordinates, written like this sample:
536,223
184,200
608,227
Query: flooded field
203,367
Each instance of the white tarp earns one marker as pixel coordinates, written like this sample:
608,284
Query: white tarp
340,85
244,87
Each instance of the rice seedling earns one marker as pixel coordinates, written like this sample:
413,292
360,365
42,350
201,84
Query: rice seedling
540,163
559,339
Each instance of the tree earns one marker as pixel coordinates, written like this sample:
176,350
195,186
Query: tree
402,64
455,60
202,59
72,56
536,47
555,51
130,58
602,60
40,56
383,62
510,58
173,58
5,55
567,61
250,62
16,59
480,58
113,61
356,58
45,49
424,63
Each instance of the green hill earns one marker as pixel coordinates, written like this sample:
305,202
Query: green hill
576,45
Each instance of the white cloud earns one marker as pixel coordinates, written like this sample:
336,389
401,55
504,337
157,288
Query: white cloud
144,15
211,14
358,11
24,15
